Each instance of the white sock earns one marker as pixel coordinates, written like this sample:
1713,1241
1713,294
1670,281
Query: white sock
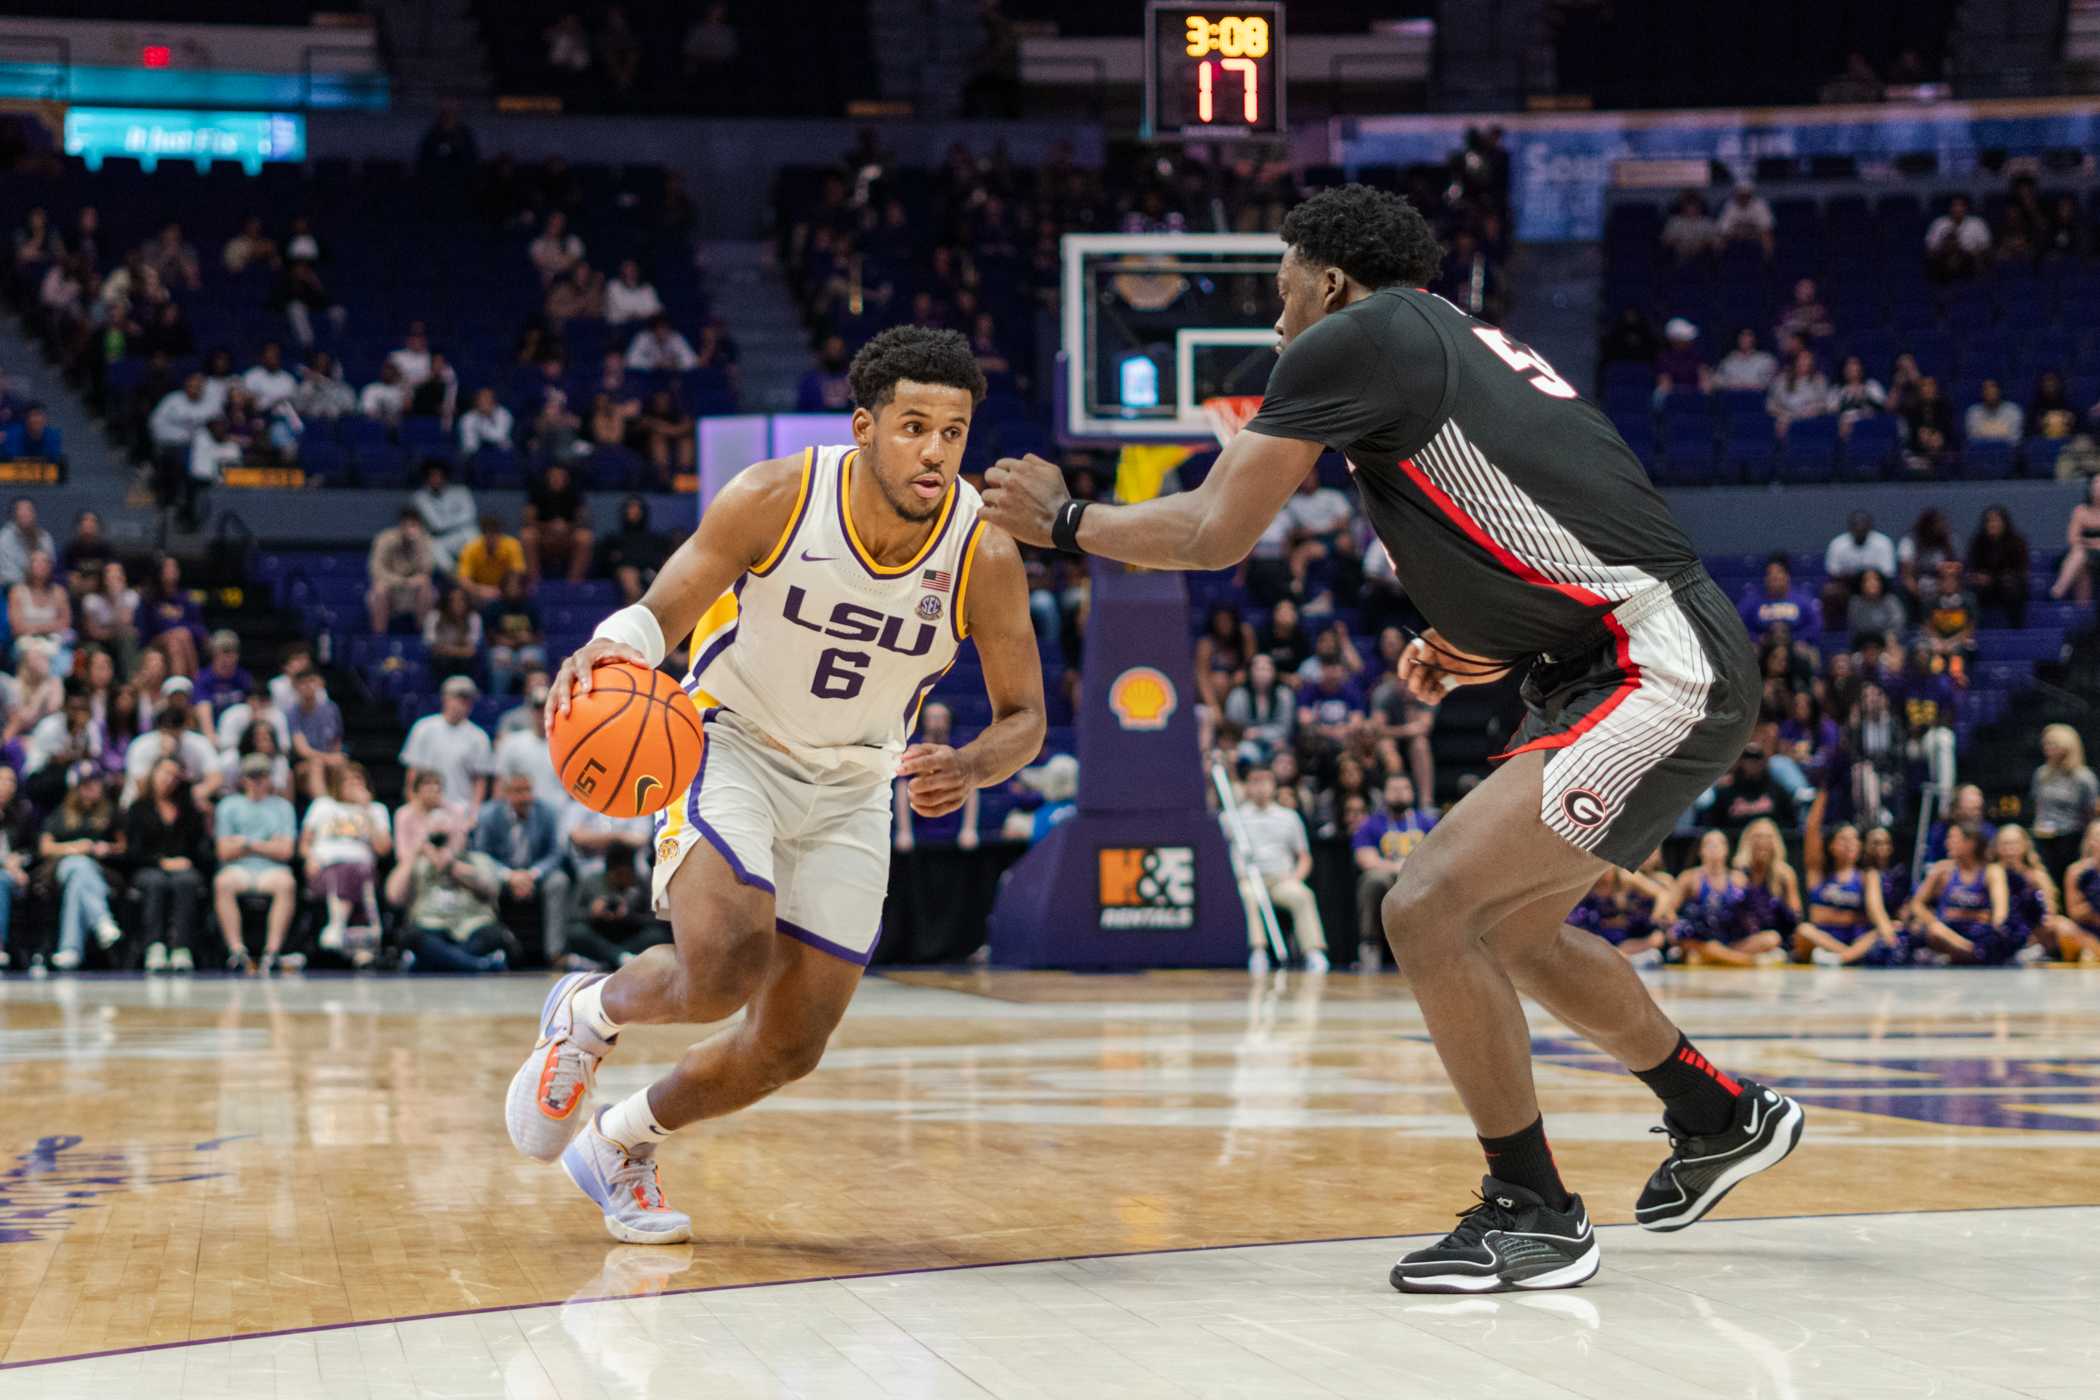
588,1007
630,1123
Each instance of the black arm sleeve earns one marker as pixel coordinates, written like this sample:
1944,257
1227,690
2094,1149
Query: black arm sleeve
1347,382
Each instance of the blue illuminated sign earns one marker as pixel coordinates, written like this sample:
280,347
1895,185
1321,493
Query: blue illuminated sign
149,135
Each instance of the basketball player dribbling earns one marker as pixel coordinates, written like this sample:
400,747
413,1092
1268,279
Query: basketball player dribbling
1522,526
825,593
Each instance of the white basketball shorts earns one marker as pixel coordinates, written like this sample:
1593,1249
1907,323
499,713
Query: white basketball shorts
821,849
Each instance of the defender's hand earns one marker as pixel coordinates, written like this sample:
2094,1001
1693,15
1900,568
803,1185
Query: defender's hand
1022,497
575,673
940,780
1431,668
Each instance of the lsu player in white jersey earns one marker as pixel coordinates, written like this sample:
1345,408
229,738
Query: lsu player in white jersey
825,594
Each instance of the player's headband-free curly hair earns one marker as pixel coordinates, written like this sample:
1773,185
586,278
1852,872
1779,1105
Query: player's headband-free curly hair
919,354
1375,237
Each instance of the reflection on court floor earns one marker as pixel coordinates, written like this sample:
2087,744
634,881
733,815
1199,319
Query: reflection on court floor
188,1162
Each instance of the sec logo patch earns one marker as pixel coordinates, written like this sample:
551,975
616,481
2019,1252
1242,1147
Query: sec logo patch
1583,807
930,608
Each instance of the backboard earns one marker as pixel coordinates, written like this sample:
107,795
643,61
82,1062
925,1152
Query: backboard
1155,323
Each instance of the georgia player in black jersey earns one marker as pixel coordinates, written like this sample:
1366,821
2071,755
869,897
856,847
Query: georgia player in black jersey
1524,528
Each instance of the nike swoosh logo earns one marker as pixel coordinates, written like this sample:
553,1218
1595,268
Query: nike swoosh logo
809,558
641,789
1757,1116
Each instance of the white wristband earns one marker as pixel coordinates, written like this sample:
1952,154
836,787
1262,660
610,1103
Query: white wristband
634,626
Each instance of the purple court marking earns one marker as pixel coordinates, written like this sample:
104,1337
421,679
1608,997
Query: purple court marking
909,1273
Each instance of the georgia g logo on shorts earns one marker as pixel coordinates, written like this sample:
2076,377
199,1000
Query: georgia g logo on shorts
1583,807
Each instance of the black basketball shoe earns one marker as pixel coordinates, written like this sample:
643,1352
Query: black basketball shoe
1509,1240
1701,1170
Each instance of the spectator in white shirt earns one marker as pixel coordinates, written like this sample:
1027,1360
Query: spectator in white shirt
1861,547
1277,848
448,511
1746,366
657,346
452,746
212,451
487,424
176,419
386,398
629,298
556,250
1802,392
1994,419
1956,242
412,360
1690,230
268,382
1746,218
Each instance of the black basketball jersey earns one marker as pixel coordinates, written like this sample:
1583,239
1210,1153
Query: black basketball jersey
1514,512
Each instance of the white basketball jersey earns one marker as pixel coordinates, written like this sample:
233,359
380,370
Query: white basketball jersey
826,651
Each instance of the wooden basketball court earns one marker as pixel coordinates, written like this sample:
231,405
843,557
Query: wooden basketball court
189,1162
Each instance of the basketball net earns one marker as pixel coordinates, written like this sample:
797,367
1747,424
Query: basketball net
1228,413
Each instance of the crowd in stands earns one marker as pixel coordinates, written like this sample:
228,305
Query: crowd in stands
219,339
1876,654
1809,340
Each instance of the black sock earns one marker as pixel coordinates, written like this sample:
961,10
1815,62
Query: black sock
1698,1097
1523,1159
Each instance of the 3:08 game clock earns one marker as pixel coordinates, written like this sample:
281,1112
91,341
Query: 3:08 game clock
1213,71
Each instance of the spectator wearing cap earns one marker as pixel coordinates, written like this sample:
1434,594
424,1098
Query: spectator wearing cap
1275,847
79,847
1746,218
521,835
400,567
256,837
172,737
452,746
1748,793
1680,368
224,682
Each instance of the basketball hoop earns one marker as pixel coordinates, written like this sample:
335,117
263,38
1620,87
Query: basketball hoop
1228,413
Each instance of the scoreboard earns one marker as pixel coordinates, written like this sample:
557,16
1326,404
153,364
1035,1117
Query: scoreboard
1213,71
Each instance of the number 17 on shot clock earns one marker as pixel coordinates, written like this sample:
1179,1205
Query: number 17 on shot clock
1213,72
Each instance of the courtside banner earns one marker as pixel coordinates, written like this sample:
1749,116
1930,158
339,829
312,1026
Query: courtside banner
1561,163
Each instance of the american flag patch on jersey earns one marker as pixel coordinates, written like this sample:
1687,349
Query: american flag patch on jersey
937,580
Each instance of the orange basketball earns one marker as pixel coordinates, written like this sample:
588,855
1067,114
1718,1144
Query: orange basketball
631,745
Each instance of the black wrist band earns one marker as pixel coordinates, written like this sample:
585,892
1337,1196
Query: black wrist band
1064,529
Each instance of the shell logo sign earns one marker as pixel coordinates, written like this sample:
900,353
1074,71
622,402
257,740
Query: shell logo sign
1142,698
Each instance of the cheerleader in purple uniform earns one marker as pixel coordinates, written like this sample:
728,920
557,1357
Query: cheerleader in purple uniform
2030,898
1629,911
1717,923
2082,903
1878,859
1847,922
1962,908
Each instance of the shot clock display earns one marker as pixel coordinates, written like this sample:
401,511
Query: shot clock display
1213,71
